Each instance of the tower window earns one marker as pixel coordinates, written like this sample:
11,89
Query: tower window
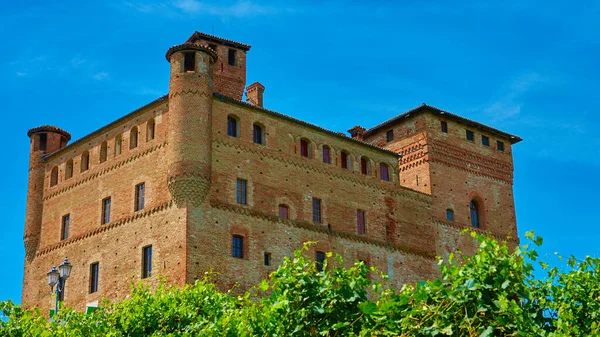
150,126
284,211
140,191
54,176
69,169
43,141
384,172
474,207
94,276
470,136
267,259
389,136
105,210
320,260
117,145
232,126
316,208
85,161
133,138
449,215
64,228
360,222
346,162
485,140
500,146
189,62
103,152
237,246
241,191
365,166
326,154
258,134
146,261
304,148
231,57
444,126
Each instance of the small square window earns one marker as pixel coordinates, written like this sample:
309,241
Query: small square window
237,246
231,57
444,126
500,146
267,259
189,62
449,215
485,140
389,136
284,212
470,136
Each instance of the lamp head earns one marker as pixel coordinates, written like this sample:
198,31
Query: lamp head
53,276
65,269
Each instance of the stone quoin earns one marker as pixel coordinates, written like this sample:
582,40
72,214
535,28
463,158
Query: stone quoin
201,180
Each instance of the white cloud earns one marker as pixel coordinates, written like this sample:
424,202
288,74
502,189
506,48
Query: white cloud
237,9
100,76
20,73
509,103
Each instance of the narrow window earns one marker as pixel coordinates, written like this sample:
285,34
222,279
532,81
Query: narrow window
54,176
150,125
105,210
304,149
470,136
485,140
237,246
500,146
231,57
133,138
69,169
189,62
316,208
345,158
94,275
258,134
326,154
320,260
241,191
118,145
444,126
146,261
474,214
360,221
85,161
140,191
232,126
267,259
449,215
43,142
389,136
384,172
365,166
103,152
65,225
284,211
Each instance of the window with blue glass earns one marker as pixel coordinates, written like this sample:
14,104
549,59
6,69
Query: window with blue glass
237,246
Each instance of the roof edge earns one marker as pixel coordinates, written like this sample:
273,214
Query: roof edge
212,38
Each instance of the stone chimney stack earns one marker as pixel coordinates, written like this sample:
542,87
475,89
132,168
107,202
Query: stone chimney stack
254,94
357,132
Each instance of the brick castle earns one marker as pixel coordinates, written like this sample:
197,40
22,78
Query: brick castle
200,179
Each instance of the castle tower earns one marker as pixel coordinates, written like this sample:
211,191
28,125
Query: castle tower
190,114
43,140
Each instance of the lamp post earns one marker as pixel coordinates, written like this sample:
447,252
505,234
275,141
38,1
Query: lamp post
58,278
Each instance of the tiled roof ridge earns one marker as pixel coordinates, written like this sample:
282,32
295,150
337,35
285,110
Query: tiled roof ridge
198,34
513,138
49,128
193,46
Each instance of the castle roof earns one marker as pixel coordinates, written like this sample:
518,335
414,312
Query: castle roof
49,128
203,36
190,46
428,108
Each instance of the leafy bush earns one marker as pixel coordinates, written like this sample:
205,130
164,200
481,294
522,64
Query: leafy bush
492,293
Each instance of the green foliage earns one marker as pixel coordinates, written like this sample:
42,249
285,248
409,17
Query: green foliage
492,293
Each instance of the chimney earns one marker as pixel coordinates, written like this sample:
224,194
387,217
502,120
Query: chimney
254,94
357,132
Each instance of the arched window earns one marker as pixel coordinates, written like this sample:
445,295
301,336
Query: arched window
384,172
449,214
305,148
233,127
474,207
133,137
118,141
258,134
346,161
69,169
365,166
326,154
284,211
103,151
150,130
54,176
85,161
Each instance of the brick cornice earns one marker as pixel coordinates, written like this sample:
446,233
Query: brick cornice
103,228
330,170
315,228
460,226
98,172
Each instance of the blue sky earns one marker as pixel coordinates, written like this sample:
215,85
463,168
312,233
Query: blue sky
528,68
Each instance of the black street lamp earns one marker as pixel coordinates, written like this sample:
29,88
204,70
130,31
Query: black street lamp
59,278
